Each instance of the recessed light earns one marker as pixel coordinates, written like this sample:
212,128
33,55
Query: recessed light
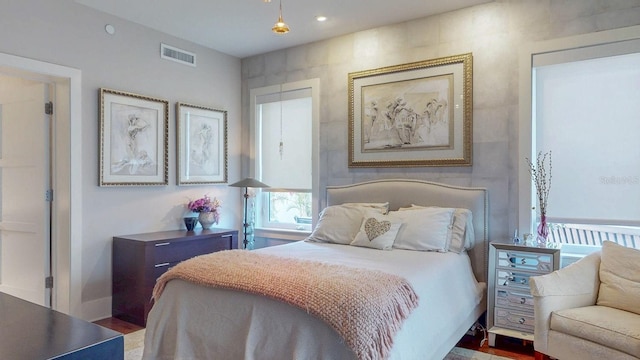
110,29
321,18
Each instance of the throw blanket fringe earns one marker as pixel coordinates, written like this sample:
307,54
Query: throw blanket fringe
365,307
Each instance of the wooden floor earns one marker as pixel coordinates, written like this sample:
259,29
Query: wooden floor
507,347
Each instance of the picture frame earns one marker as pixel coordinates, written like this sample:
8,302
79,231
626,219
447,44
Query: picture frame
412,115
133,139
202,145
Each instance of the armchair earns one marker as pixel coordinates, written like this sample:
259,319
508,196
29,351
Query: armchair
590,309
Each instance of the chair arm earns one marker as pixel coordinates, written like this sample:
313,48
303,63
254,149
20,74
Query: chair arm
574,286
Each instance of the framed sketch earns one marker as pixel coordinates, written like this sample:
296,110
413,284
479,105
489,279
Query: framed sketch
202,145
133,139
417,114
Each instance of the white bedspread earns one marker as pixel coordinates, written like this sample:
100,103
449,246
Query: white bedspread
194,322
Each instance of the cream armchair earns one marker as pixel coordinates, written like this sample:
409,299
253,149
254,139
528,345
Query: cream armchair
570,325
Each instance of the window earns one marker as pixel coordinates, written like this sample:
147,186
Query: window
584,106
285,152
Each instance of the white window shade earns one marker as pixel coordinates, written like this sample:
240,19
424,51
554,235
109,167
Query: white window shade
287,121
588,114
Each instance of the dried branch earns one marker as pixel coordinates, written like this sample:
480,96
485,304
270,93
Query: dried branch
541,176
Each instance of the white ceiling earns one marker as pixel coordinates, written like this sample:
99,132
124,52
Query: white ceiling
243,27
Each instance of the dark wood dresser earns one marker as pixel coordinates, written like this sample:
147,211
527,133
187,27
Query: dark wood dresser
31,331
139,259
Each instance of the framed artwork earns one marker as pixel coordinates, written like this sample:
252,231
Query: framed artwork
416,114
202,145
133,139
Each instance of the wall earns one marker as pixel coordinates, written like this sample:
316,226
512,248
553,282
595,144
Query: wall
492,32
65,33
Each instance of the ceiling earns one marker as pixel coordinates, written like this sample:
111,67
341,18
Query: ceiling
242,28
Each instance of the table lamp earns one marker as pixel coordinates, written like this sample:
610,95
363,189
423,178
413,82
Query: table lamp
247,183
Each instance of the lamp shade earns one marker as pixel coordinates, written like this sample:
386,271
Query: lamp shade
249,183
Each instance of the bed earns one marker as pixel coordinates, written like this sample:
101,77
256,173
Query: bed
192,321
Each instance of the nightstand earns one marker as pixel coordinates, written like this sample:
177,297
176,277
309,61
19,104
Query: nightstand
510,307
139,259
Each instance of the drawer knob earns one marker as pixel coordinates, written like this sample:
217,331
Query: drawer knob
521,321
523,281
523,261
523,300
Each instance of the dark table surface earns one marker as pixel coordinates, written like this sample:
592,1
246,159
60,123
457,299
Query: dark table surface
31,331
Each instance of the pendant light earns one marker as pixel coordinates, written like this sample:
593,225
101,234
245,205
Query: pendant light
280,27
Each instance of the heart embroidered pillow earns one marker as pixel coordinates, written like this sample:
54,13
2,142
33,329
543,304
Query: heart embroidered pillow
377,231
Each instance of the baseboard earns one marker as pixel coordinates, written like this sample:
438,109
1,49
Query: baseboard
96,309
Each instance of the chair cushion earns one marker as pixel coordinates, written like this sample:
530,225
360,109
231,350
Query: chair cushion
619,277
613,328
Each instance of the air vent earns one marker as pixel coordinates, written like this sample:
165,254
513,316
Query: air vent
177,55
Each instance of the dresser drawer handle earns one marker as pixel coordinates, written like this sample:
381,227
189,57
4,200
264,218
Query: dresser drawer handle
521,320
523,300
162,265
163,244
228,235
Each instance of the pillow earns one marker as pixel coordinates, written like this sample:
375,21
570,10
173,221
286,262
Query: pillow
338,224
383,208
619,277
377,231
462,233
427,229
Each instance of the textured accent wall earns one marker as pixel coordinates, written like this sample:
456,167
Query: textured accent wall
492,32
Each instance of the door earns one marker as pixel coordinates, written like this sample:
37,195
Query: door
25,245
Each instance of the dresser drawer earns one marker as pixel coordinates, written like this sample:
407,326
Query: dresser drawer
512,319
514,299
168,251
522,260
512,279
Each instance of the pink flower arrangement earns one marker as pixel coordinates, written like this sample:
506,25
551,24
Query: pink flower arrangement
205,204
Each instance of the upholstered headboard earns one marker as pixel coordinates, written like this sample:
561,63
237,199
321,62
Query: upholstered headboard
403,193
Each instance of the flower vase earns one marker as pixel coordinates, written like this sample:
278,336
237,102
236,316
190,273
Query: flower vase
190,222
543,231
207,219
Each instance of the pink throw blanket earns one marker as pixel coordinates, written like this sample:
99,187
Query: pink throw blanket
365,307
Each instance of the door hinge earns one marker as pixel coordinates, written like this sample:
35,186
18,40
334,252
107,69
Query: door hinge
48,108
48,282
48,195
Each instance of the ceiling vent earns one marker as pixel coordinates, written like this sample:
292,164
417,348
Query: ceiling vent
178,55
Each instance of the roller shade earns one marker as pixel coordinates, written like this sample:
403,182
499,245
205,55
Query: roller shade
587,112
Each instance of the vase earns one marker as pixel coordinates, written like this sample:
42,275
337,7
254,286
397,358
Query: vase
190,222
543,231
207,219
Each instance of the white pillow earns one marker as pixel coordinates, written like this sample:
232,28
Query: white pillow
462,234
377,231
619,277
382,208
338,224
427,229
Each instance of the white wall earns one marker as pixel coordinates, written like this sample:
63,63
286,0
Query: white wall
65,33
492,32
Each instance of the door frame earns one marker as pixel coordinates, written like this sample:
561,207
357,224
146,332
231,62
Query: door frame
66,210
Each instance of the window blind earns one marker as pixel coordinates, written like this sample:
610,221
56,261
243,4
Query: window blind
286,117
586,110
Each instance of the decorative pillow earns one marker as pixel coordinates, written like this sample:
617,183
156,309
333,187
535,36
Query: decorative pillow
338,224
619,277
462,233
382,208
427,229
377,231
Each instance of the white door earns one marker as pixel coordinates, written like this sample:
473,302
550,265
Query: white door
24,180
